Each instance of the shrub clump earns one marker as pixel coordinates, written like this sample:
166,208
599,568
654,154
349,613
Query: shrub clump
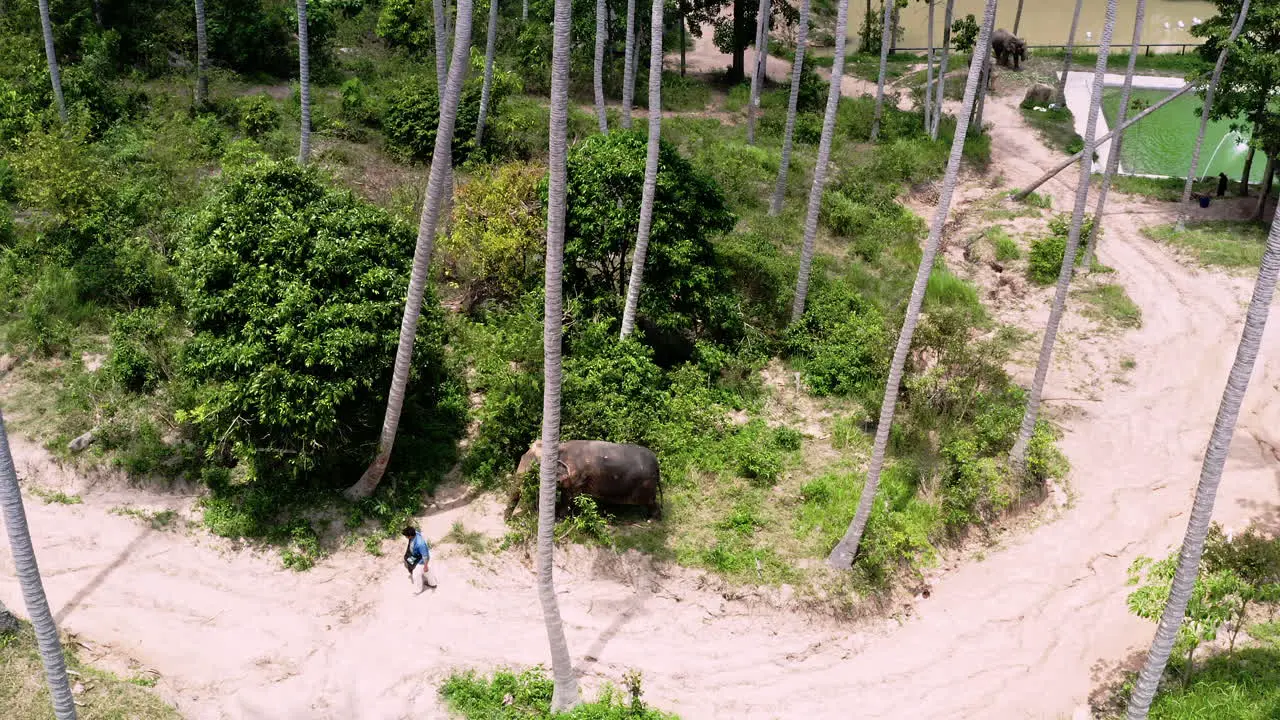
843,345
141,349
295,293
528,694
1047,253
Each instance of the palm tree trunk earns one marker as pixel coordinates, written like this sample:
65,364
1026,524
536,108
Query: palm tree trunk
650,172
885,34
1215,458
983,56
97,13
490,41
820,169
202,58
629,66
942,69
440,21
1248,170
797,67
1061,93
928,80
304,81
524,11
52,57
684,42
1113,159
757,77
843,554
601,30
1017,19
1268,176
1024,192
24,561
1208,101
565,694
1019,452
437,183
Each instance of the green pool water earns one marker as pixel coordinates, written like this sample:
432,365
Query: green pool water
1161,144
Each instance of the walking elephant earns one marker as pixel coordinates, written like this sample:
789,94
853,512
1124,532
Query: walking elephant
1008,48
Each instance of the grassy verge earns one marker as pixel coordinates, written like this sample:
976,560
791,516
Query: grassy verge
1224,243
1056,127
510,696
24,693
1154,64
1164,189
862,65
1110,305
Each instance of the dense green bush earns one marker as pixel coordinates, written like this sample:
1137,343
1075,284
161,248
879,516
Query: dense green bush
413,113
612,389
508,696
683,283
257,115
295,293
842,343
141,349
495,248
1045,260
358,104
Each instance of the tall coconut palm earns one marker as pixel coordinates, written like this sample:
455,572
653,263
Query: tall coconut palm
650,171
1208,101
762,61
524,11
565,693
1018,455
797,68
1215,457
1017,19
24,560
1060,93
1113,159
601,30
629,66
304,81
842,555
928,81
942,69
490,41
440,19
52,57
431,206
820,169
886,36
202,57
981,55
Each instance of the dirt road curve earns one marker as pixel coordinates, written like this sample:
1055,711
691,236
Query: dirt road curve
1013,636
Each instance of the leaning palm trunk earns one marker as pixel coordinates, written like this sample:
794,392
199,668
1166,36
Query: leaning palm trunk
304,80
650,172
52,57
1113,159
843,554
942,69
565,694
1024,192
489,43
24,561
202,57
1208,101
886,35
1061,92
981,55
762,61
820,169
629,66
1215,457
601,30
1017,19
797,68
1018,455
928,81
440,19
436,188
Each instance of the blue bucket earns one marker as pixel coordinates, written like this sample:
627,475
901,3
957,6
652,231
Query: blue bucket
1204,201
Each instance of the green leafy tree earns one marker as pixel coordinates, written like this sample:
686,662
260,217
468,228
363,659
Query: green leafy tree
964,34
1210,89
683,284
293,293
1245,93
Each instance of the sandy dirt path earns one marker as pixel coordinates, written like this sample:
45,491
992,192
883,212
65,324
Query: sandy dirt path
1016,635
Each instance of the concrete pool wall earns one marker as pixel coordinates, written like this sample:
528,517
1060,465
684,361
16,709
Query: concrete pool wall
1079,94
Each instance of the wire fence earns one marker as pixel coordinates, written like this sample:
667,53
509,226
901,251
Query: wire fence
1182,47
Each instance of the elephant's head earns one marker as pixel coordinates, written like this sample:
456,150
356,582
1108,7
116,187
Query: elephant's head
1018,47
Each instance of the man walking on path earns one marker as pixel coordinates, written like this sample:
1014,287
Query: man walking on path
416,557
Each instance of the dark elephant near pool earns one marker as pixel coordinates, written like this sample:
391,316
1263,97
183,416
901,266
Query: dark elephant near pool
612,473
1008,48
